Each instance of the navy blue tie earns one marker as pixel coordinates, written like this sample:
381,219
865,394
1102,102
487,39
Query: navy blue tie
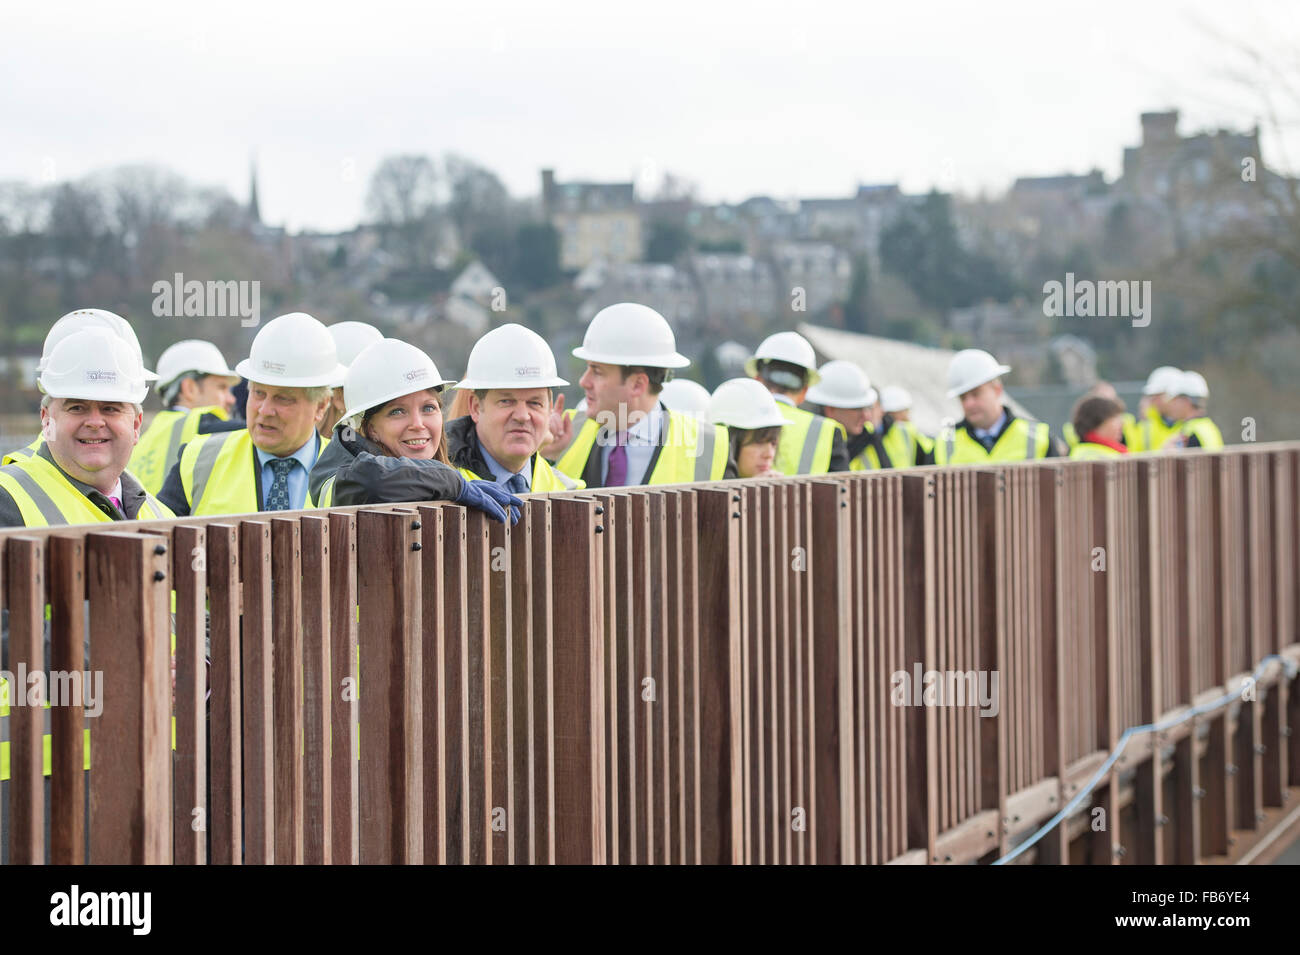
277,498
517,484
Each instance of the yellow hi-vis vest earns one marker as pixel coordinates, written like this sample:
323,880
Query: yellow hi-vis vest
219,474
46,498
692,451
1021,440
19,454
1206,431
1150,433
160,446
902,441
1087,451
806,442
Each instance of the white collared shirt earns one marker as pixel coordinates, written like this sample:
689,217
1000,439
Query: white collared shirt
642,439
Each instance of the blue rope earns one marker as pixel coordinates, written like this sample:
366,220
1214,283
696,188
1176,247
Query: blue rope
1129,733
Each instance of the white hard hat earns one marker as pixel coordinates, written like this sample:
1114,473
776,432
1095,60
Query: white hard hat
351,339
971,368
1161,380
630,334
785,346
511,357
83,318
1189,383
745,403
94,364
293,351
192,355
894,398
842,385
386,370
685,397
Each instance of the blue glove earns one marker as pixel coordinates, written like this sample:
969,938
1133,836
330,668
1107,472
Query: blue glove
492,499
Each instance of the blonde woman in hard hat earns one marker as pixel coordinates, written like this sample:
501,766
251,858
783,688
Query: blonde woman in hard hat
1187,398
350,340
264,466
753,424
509,384
787,366
91,414
388,447
194,385
989,430
75,321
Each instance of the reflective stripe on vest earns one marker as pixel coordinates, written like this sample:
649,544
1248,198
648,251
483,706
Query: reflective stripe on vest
677,462
20,454
806,442
49,512
203,467
973,451
704,447
45,497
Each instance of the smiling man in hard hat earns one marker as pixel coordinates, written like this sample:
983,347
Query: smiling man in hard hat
787,366
1186,402
75,321
264,467
94,383
194,384
989,431
628,436
510,379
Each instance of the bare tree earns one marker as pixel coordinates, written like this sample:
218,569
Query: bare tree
403,202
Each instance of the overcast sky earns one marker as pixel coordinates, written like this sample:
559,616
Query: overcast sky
784,99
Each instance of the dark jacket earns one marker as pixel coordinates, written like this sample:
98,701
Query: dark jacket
363,474
860,442
1055,446
464,448
133,497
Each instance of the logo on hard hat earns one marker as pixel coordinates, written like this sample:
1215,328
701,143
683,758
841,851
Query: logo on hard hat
102,376
417,374
528,371
275,366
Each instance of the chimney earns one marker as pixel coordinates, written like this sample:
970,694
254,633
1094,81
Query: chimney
548,188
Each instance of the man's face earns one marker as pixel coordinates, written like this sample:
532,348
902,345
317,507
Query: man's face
511,423
608,394
982,406
853,419
1179,408
212,390
91,440
280,420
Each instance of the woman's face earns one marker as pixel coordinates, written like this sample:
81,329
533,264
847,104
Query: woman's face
1112,428
408,427
756,459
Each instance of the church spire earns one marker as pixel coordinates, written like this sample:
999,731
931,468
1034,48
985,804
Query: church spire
254,213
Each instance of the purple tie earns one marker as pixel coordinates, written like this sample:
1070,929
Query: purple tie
117,504
616,474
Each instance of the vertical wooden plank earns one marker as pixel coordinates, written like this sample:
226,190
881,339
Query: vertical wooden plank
920,591
25,576
720,515
259,719
579,684
66,558
479,690
433,685
225,712
832,703
130,798
345,780
454,779
190,759
541,687
497,673
286,676
317,692
391,700
521,810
